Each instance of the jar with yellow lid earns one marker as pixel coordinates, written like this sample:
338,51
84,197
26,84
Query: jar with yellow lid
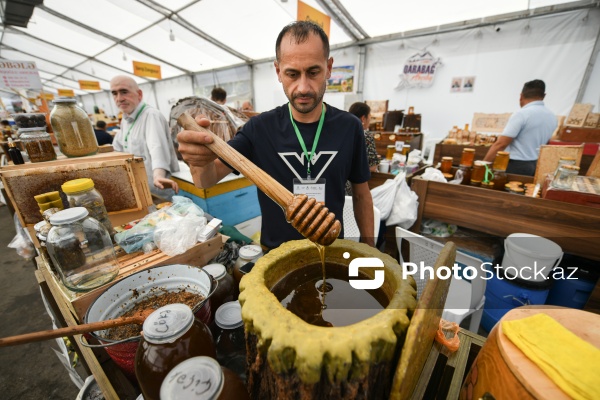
73,129
487,185
517,190
82,193
501,161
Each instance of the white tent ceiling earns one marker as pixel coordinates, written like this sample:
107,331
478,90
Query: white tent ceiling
98,39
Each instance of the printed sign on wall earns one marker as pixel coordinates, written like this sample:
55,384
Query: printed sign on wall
342,79
19,75
66,93
419,70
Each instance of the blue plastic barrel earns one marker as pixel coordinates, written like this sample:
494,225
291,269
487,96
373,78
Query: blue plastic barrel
503,293
578,279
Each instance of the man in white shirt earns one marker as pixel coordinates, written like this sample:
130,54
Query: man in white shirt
145,133
527,129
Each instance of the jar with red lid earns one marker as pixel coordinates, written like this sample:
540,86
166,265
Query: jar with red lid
171,335
202,378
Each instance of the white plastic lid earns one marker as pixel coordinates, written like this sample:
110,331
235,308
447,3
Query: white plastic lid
251,251
229,315
168,323
39,225
197,378
217,271
32,129
69,215
64,100
534,245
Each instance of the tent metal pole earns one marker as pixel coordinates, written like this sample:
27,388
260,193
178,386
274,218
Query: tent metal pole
362,61
589,69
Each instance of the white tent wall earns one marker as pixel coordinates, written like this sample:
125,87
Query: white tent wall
555,49
592,90
170,91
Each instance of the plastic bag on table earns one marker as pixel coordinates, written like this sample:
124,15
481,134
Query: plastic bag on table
458,178
433,174
437,228
177,235
405,208
414,157
21,242
384,195
135,238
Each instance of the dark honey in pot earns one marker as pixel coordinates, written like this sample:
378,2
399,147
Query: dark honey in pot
338,304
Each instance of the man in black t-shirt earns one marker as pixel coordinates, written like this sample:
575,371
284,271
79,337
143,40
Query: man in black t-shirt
305,144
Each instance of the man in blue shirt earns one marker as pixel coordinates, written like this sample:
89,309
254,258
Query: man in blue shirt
527,129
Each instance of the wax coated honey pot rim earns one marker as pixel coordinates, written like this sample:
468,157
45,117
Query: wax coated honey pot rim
295,346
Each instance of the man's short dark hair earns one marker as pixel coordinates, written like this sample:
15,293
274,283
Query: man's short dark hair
360,109
535,89
300,31
100,124
218,94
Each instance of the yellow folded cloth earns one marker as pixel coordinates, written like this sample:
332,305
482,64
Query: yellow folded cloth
572,363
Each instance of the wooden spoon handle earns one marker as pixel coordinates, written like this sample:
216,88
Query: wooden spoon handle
69,331
269,186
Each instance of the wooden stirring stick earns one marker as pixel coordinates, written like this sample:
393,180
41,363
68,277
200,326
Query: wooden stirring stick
311,219
73,330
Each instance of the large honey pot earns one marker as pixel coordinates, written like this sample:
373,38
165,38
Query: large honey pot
288,357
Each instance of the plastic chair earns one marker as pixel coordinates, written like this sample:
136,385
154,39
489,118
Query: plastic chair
464,298
351,231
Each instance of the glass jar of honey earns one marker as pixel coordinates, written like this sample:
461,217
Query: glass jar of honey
202,378
500,180
487,185
391,149
501,161
478,172
171,335
467,157
446,167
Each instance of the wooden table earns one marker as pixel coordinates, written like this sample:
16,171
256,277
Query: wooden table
575,228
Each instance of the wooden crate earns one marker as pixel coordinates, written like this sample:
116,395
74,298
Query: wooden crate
199,255
444,372
119,177
383,139
573,134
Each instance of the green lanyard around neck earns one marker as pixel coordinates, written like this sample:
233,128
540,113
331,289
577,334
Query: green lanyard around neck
308,155
133,123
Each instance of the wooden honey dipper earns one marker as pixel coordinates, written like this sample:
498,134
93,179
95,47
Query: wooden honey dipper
313,220
138,319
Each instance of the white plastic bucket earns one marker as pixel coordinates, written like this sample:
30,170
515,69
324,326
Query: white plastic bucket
530,257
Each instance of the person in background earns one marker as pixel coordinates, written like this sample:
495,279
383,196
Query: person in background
363,112
218,95
527,129
145,133
102,137
279,141
247,106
